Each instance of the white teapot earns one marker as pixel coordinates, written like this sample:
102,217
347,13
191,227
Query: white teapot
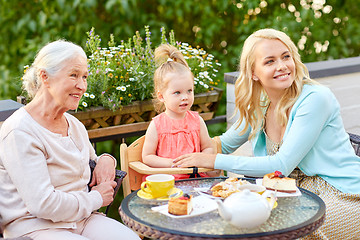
246,209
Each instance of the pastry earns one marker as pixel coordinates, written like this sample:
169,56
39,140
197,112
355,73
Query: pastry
228,187
277,181
181,205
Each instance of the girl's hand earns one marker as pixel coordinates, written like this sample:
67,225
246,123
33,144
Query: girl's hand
106,190
104,170
203,160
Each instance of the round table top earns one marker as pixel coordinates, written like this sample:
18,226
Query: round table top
294,217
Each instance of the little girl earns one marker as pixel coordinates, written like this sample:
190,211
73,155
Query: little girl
177,130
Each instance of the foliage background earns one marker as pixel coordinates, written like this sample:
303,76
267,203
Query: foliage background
321,29
218,26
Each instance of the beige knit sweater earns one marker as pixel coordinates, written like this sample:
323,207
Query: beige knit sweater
44,176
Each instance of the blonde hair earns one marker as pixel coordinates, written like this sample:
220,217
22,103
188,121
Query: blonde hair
168,59
51,59
250,97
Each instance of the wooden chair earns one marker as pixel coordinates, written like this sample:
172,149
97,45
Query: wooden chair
355,142
131,162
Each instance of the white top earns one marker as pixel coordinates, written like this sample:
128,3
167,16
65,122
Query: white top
44,176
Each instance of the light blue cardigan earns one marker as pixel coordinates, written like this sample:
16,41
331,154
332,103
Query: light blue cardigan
315,140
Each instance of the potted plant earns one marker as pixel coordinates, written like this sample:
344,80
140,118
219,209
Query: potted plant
120,83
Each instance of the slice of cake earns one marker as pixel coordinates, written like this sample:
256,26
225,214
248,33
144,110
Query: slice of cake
181,205
277,181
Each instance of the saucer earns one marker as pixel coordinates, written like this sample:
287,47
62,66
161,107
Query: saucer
175,192
275,204
201,205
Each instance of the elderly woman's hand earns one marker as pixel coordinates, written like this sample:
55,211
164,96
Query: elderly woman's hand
104,170
106,190
203,160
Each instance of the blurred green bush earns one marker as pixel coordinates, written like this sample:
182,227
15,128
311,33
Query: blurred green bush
322,29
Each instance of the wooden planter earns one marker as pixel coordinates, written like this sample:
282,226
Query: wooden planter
102,122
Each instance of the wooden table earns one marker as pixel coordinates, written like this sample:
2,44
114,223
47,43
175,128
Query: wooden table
294,217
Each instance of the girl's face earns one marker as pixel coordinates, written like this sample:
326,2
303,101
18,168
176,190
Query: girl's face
178,97
274,67
69,84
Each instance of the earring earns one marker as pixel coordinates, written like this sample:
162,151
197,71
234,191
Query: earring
255,78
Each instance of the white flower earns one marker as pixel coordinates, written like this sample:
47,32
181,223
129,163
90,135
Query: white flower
206,86
142,73
195,51
122,88
132,79
86,94
84,104
92,96
114,48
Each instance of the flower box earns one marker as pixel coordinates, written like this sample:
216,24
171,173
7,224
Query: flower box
101,122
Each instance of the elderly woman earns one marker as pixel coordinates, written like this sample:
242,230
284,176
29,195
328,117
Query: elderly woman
44,157
294,125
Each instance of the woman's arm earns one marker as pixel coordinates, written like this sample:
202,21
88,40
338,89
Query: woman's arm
231,140
149,149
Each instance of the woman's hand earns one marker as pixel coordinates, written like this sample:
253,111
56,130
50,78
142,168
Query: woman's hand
104,170
203,160
106,190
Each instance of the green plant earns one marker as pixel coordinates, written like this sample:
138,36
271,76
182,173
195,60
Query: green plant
122,73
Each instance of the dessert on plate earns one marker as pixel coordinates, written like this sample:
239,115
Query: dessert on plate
227,187
181,205
277,181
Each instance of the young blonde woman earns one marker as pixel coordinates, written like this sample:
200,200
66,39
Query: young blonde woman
177,130
295,127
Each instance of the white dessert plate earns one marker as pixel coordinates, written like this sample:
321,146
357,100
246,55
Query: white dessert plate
201,205
280,194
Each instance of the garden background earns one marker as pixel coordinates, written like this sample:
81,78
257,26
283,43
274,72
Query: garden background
321,29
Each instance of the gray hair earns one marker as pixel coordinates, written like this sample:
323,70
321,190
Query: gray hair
50,58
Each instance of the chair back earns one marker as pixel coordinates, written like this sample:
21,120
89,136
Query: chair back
131,153
355,142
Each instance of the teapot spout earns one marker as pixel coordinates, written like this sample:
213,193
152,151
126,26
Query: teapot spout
223,211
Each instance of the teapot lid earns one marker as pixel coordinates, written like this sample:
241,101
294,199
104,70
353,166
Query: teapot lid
245,195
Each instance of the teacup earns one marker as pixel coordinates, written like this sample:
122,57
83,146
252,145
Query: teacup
253,188
158,185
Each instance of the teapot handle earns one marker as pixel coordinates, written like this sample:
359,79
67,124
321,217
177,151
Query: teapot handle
272,198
